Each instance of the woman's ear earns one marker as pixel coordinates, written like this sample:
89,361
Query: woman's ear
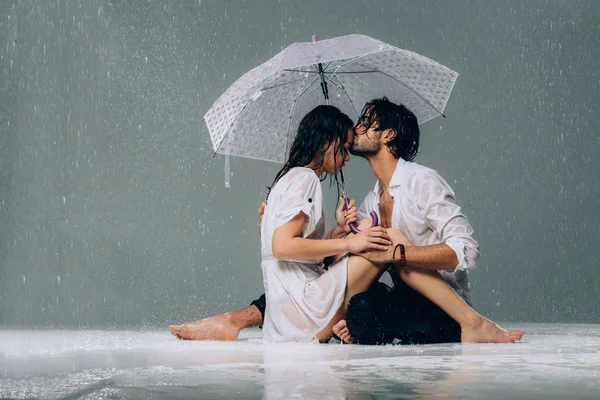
325,147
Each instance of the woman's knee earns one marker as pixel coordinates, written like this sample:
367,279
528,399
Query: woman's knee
406,273
363,224
398,237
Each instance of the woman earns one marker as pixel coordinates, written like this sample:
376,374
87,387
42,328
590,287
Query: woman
304,299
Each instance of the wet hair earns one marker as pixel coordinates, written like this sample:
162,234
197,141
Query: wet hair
388,115
318,129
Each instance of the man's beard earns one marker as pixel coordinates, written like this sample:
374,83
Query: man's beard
371,149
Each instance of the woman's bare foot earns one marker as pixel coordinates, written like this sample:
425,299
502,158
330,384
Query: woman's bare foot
486,331
341,331
219,327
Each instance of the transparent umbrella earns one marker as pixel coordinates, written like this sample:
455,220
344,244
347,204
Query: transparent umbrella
257,116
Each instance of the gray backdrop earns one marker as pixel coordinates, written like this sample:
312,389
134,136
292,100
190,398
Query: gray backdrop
114,214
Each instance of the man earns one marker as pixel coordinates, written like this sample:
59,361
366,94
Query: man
417,201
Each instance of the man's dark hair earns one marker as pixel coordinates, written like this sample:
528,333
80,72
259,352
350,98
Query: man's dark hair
319,128
388,115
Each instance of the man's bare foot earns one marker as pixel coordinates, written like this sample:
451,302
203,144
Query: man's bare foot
485,331
341,331
219,327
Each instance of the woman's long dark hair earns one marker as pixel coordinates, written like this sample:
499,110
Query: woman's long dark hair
318,129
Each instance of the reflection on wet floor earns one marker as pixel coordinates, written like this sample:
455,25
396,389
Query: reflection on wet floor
554,361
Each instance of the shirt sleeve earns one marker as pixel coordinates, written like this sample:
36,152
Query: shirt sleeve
303,193
437,202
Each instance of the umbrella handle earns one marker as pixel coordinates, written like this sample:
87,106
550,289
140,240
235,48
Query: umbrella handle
352,225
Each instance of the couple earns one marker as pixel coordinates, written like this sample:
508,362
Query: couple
424,242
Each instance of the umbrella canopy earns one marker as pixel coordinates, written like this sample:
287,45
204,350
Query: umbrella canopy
257,116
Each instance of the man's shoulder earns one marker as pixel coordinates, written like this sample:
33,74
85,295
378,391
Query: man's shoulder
413,169
415,176
416,167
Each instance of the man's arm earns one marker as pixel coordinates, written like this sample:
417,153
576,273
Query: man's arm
435,257
459,248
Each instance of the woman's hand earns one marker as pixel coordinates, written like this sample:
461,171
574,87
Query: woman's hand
345,217
375,238
392,254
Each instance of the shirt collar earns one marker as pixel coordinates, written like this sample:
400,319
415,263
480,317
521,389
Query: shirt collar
395,181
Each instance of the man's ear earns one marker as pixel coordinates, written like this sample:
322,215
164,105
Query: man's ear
389,135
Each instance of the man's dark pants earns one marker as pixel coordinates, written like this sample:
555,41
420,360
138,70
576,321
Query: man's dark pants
384,315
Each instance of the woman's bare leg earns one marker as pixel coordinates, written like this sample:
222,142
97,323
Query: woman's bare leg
361,275
475,328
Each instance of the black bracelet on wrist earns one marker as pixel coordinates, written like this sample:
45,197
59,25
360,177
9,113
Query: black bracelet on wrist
402,254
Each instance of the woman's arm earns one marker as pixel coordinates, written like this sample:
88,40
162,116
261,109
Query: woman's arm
289,245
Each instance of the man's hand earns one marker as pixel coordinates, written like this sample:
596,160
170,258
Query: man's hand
261,212
345,217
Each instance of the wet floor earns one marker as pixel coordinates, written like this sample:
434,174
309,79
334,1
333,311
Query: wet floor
553,361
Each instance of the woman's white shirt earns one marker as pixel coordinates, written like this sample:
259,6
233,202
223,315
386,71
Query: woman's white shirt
302,296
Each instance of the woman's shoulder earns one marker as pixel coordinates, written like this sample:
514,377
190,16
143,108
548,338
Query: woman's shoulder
294,179
300,179
302,171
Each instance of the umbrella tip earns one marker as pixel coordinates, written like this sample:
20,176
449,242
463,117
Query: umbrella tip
314,38
444,115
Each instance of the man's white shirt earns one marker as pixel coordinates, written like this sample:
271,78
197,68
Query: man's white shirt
425,210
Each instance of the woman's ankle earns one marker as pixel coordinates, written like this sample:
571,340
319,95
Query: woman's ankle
472,321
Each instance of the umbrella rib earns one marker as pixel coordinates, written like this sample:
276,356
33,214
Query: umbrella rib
337,68
350,72
300,70
341,86
356,59
283,84
409,88
308,87
338,84
287,136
